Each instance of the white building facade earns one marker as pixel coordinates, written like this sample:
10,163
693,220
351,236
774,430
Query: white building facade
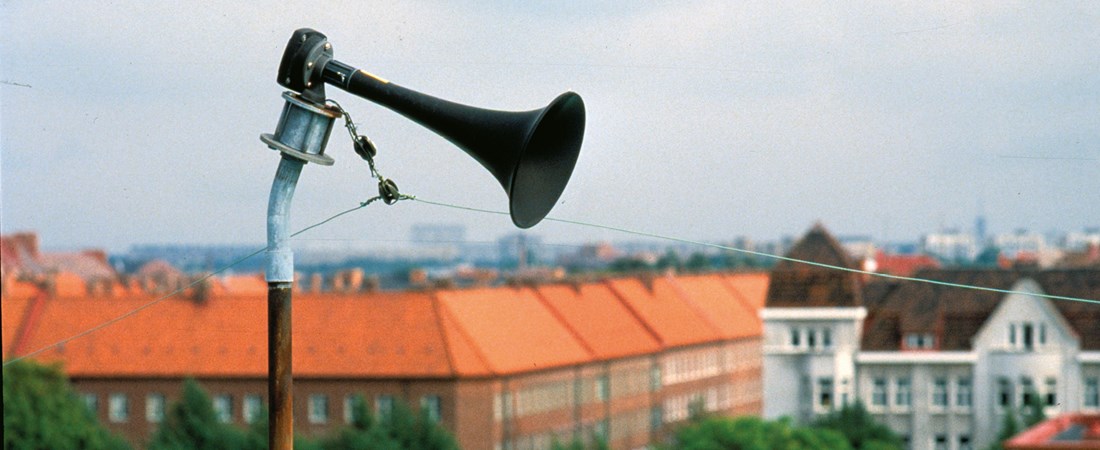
934,399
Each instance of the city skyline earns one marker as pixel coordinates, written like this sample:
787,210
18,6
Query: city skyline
706,120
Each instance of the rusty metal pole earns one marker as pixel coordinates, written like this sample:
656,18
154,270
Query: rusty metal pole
301,136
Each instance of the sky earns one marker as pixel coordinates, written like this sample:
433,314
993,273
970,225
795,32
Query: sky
125,123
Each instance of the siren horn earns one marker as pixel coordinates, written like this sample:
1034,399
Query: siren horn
531,153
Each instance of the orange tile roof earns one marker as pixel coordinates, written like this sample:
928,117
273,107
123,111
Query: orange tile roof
603,324
665,311
384,335
753,287
724,307
512,329
450,333
14,311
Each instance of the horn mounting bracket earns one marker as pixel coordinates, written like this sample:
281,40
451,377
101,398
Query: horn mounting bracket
306,55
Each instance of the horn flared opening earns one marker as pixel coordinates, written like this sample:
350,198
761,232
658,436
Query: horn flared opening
547,160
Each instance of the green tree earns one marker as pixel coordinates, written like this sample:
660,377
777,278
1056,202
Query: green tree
859,428
697,262
713,433
1032,409
41,410
670,260
1009,427
192,423
400,429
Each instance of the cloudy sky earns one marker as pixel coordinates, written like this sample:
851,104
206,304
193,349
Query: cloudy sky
125,122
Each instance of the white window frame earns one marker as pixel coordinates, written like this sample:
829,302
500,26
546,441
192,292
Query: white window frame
433,404
318,409
1091,398
903,398
940,395
118,408
880,389
964,392
155,407
251,405
223,407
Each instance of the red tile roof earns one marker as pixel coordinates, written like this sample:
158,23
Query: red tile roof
903,265
724,307
665,311
603,324
442,334
513,330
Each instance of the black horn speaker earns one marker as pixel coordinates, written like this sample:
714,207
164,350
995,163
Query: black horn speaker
531,153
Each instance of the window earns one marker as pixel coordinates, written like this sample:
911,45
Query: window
1012,334
878,392
431,405
655,378
318,408
1042,334
383,406
251,407
350,408
939,392
1092,392
118,408
796,337
904,395
811,338
920,341
964,396
825,392
223,407
827,337
655,418
940,442
1028,336
1004,392
964,442
154,408
92,402
603,388
1051,392
1027,391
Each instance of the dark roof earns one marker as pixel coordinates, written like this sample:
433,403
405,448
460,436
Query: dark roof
795,284
954,315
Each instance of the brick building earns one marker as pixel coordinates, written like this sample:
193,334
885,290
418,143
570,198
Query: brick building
507,367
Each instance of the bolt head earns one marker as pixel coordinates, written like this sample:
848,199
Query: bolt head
328,46
309,65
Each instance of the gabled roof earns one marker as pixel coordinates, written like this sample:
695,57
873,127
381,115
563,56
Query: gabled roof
513,331
664,310
429,334
602,323
796,284
725,308
954,315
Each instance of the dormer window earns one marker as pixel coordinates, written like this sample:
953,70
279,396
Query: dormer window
920,341
1027,336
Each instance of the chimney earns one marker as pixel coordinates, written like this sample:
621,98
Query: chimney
27,242
339,281
372,284
355,280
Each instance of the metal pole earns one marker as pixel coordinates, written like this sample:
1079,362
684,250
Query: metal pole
280,278
301,136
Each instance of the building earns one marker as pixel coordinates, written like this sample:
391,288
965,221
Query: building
503,368
938,364
951,245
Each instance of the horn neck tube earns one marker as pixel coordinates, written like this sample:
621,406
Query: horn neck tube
531,153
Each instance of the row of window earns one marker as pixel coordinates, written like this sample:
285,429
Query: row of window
1027,335
811,338
118,407
958,392
1007,394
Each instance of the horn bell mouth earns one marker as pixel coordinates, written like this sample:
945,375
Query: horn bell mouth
547,160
